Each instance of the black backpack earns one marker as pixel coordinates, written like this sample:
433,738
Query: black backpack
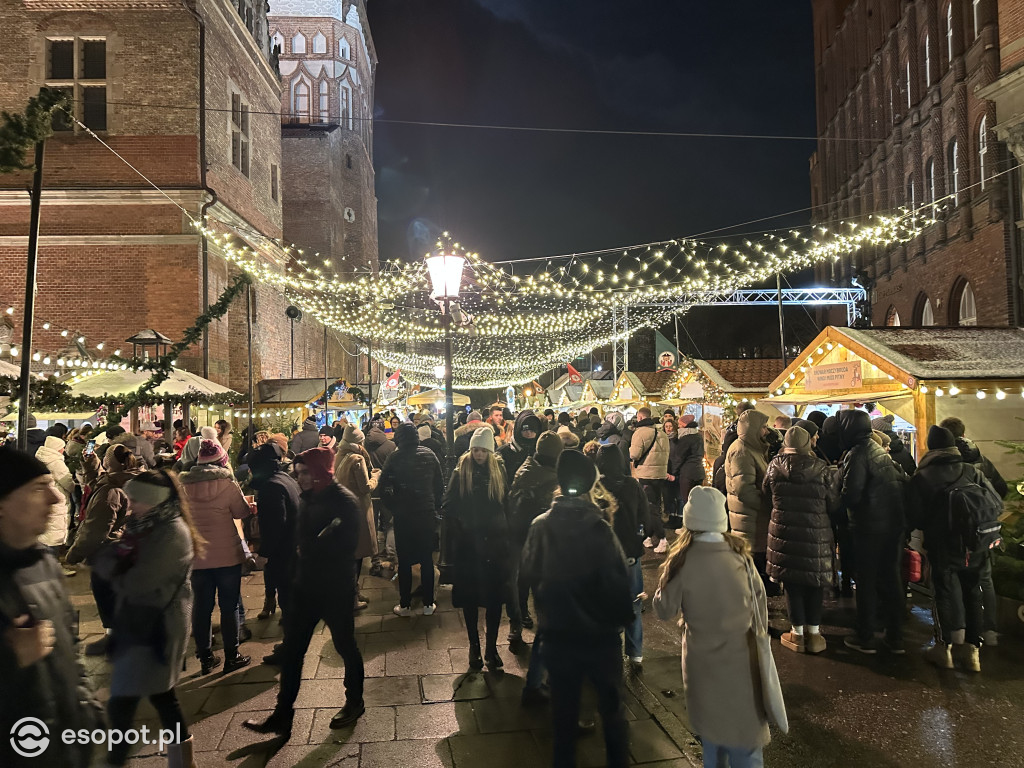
974,527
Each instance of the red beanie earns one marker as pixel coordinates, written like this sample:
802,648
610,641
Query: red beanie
321,466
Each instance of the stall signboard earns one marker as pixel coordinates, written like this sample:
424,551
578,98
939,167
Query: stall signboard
834,376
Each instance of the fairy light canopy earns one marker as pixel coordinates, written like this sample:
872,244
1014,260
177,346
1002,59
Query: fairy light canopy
510,325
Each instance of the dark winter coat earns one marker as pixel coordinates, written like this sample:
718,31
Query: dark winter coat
326,533
970,453
872,486
515,453
307,439
277,507
104,516
436,446
411,485
36,437
900,453
378,446
929,503
480,543
462,437
800,532
632,516
613,432
55,689
686,456
830,439
532,490
579,599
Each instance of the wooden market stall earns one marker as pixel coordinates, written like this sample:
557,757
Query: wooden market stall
922,375
635,389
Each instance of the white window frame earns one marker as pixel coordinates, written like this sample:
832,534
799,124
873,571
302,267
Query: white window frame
929,180
909,104
954,171
975,8
911,198
241,141
301,90
927,61
323,103
927,313
345,107
982,148
298,43
949,34
344,49
968,311
319,43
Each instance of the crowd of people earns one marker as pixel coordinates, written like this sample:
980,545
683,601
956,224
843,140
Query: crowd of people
168,532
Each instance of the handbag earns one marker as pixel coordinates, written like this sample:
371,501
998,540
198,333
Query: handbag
911,565
771,688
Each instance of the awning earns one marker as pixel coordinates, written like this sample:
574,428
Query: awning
436,396
81,416
9,369
112,384
824,396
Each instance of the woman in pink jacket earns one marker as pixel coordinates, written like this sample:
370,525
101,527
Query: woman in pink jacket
216,502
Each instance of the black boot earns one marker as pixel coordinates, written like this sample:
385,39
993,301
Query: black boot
493,660
275,657
475,659
348,715
269,609
280,722
236,662
209,662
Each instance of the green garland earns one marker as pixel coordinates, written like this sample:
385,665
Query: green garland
20,132
53,395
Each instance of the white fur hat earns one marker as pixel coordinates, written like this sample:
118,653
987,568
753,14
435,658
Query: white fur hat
705,511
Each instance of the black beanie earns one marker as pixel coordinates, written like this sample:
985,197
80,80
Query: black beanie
17,468
576,473
266,456
940,437
406,435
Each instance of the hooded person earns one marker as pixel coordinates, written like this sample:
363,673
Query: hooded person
354,471
277,507
612,431
36,434
308,437
41,676
51,453
427,438
527,429
873,492
897,448
687,464
830,441
412,488
582,603
323,587
800,544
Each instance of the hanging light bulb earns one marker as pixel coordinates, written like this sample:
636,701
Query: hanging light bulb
1000,395
954,391
924,389
14,351
939,392
37,356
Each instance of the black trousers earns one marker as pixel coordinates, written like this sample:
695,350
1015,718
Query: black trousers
304,613
121,713
655,491
105,597
492,621
275,581
414,540
880,589
804,604
569,663
958,603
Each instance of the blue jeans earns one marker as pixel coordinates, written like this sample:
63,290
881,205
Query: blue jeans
221,586
719,756
635,631
535,674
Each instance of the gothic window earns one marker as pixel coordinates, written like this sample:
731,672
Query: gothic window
929,181
967,308
299,43
982,150
324,105
319,43
300,101
239,133
343,49
345,105
949,34
277,41
953,170
911,200
907,71
975,9
274,183
77,66
892,317
927,317
927,61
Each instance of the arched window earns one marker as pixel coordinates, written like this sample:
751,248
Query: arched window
906,69
949,34
975,8
299,43
277,41
929,181
982,149
927,61
953,170
967,308
892,317
300,101
345,105
911,200
343,49
324,105
924,313
319,43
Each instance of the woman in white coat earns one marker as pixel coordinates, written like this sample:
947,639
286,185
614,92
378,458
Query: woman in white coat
705,577
51,453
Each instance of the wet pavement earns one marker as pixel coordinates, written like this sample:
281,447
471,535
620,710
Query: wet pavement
424,709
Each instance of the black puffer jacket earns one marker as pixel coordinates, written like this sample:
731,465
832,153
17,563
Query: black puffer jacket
277,507
579,599
800,532
972,455
633,514
532,491
873,487
900,453
515,453
378,446
326,551
929,503
830,439
411,484
55,689
686,456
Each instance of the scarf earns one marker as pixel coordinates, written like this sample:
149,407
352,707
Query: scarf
138,527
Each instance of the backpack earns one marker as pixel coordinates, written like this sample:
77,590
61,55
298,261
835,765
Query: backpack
974,526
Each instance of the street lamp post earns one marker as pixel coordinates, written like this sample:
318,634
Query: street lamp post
445,271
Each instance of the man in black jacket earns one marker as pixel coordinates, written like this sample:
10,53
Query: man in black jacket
897,448
40,675
958,596
323,587
412,488
277,505
582,605
873,495
524,441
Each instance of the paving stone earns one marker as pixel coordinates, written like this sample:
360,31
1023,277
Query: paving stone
237,736
434,721
253,696
332,666
425,753
502,715
472,686
506,686
321,693
454,687
447,637
366,624
590,751
382,642
417,661
391,691
313,756
376,724
647,742
505,750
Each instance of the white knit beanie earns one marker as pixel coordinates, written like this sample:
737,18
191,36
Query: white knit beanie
424,432
483,438
208,433
705,511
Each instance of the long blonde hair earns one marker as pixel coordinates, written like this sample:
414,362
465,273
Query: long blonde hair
496,483
677,553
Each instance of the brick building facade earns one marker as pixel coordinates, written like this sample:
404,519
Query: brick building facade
186,93
901,123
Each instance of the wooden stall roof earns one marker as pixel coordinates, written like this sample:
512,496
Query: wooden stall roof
744,375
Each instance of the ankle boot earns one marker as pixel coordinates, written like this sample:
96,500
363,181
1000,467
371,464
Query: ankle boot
967,657
181,755
493,660
269,609
476,661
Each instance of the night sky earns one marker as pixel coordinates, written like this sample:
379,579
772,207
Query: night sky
646,65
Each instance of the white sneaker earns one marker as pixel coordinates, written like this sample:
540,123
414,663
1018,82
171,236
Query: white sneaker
648,543
428,610
637,659
400,611
662,547
990,637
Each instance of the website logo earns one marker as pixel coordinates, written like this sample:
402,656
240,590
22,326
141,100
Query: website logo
30,737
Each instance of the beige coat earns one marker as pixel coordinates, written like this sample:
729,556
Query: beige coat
750,511
723,684
352,471
655,466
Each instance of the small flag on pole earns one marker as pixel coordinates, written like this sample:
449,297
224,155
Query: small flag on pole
575,377
392,382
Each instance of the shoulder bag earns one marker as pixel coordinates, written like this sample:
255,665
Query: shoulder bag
771,688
